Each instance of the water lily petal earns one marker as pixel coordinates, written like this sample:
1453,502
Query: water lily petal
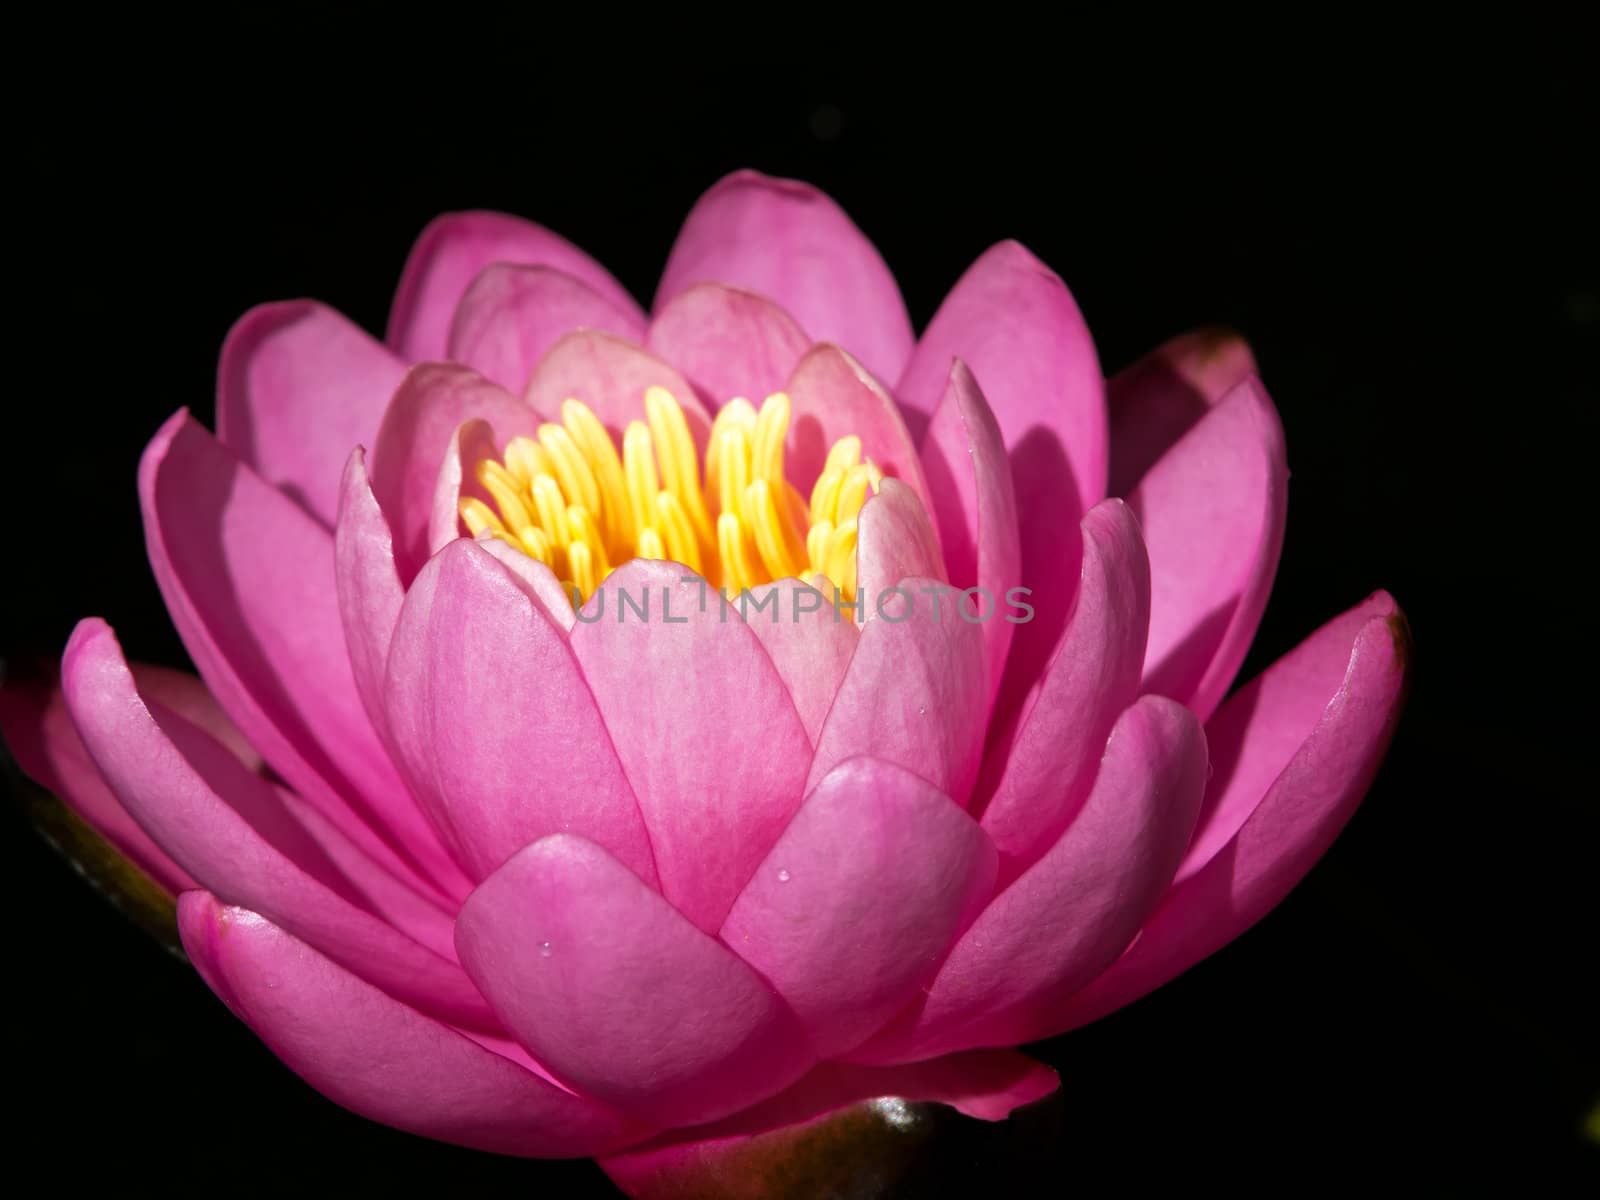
867,886
1212,510
512,314
299,386
702,723
368,585
728,342
454,249
610,375
896,539
785,239
809,641
378,1057
537,581
618,994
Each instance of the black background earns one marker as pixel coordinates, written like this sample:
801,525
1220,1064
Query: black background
1407,240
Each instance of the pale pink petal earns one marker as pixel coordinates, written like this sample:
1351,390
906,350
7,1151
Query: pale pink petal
728,342
536,580
512,314
367,584
454,249
493,723
229,830
1212,510
1308,803
1159,398
913,694
1038,774
471,443
872,879
809,641
618,995
975,503
250,582
378,1057
1073,912
610,376
702,723
895,539
786,240
416,437
299,386
186,695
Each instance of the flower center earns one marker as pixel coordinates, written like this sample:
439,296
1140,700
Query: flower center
569,500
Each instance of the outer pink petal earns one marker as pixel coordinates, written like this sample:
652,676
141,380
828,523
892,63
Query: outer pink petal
228,829
415,438
1320,783
975,503
299,385
620,996
249,580
1212,511
536,580
784,239
703,725
895,539
913,694
875,875
493,721
1070,914
610,375
728,342
512,314
376,1056
809,641
1158,399
1036,777
367,583
471,443
450,254
986,1084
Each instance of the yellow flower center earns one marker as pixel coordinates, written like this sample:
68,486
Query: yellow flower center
569,500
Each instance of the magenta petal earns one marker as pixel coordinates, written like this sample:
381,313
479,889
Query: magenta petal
618,995
867,886
494,724
914,693
1159,398
298,386
786,240
1035,778
610,376
229,830
832,396
250,581
1212,510
416,437
378,1057
702,723
367,583
728,342
809,641
512,314
1317,789
975,503
1073,912
454,249
896,540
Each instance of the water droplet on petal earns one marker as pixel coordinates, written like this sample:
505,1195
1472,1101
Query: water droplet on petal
544,949
783,875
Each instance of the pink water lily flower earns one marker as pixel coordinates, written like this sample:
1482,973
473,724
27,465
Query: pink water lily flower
503,817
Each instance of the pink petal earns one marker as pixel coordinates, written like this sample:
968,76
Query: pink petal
702,723
832,396
298,387
610,376
493,723
1070,914
376,1056
786,240
415,438
896,540
450,254
867,886
471,443
250,582
1212,511
1158,399
809,641
1036,778
975,503
913,694
537,581
367,584
512,314
622,998
229,830
1308,803
728,342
